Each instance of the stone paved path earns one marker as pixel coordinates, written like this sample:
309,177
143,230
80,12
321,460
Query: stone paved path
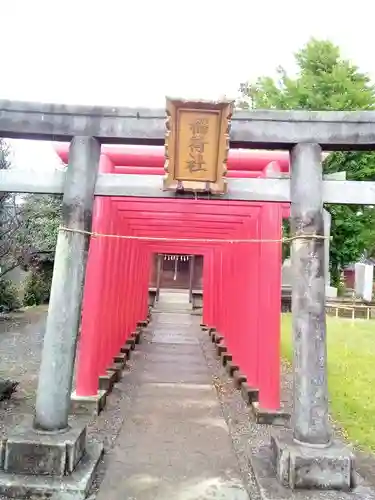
174,443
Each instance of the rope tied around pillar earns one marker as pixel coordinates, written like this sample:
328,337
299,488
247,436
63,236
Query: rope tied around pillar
195,240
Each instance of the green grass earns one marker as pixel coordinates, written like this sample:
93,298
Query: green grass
351,375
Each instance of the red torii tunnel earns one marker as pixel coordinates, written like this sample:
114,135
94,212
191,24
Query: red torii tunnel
241,280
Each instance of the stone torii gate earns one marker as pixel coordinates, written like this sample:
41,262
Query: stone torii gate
50,447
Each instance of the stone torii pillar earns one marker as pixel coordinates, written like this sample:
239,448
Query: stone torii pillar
51,446
307,457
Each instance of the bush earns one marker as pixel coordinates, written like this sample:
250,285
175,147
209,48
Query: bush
9,298
38,286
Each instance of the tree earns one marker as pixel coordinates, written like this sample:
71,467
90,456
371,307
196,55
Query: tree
33,234
37,236
325,81
9,221
7,386
28,234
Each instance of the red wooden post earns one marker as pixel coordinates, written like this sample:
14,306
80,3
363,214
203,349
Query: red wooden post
131,282
137,285
219,289
122,289
270,306
251,299
147,263
130,291
125,302
238,327
206,292
214,286
118,285
224,295
228,284
92,315
113,289
144,282
239,304
129,276
211,286
134,287
106,305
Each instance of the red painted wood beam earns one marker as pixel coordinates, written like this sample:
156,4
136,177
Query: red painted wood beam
154,157
170,217
186,206
232,174
208,202
144,223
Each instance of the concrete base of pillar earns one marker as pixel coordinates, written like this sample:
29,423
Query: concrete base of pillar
77,484
88,405
225,357
196,312
106,382
220,348
116,371
304,467
238,379
270,417
131,342
138,336
216,337
249,394
120,359
231,368
27,451
134,337
126,349
331,292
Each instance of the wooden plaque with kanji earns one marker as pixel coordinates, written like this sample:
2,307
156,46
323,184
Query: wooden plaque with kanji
197,145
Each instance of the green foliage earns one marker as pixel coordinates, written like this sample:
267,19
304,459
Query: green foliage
38,285
9,298
37,234
352,226
4,155
35,237
351,374
286,234
325,81
28,234
8,293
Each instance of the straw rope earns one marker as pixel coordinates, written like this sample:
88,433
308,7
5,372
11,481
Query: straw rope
192,240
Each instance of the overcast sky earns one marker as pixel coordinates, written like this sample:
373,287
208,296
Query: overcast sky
122,52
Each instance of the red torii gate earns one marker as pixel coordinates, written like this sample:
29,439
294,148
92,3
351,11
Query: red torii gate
241,281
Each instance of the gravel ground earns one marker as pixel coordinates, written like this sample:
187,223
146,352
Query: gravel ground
21,339
248,437
365,462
